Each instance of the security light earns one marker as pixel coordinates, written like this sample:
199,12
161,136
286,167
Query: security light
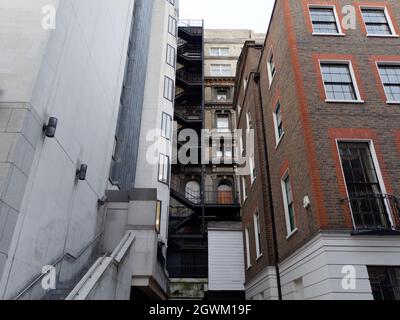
50,128
81,172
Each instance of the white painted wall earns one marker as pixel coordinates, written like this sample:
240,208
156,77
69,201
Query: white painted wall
79,82
225,260
153,106
318,267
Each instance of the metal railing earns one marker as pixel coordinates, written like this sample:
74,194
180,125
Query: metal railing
211,195
65,257
191,51
189,112
192,77
374,212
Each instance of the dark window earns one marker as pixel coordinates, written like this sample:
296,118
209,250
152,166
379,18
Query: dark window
390,75
365,195
324,20
385,283
279,123
272,67
338,82
376,22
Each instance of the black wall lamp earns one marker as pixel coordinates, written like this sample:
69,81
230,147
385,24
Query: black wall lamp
50,128
81,172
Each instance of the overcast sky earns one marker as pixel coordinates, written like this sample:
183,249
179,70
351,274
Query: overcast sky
229,14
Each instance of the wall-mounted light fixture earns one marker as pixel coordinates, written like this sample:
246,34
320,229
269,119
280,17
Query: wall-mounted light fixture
50,128
81,172
158,216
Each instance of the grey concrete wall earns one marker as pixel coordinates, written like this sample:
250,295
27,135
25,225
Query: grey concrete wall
23,45
74,73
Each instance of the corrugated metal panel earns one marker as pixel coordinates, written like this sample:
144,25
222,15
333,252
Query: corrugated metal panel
225,260
130,113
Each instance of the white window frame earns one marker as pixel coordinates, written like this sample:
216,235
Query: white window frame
377,168
171,56
169,88
244,189
166,126
387,63
220,67
248,254
388,19
338,24
220,52
278,138
164,175
172,26
353,78
252,169
257,234
271,76
289,230
248,122
223,119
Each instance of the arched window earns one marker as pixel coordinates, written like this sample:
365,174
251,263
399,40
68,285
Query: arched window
225,193
192,191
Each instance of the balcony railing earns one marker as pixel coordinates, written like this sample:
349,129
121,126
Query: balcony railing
375,212
189,112
212,195
191,51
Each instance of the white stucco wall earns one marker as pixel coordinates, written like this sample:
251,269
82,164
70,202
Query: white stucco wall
314,272
79,82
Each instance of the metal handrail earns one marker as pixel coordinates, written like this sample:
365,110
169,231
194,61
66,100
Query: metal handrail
211,195
189,76
57,262
384,205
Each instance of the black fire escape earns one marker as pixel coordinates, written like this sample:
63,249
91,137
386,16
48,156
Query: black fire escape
187,247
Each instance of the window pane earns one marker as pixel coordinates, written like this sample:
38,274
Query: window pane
171,55
223,123
290,204
376,22
385,282
323,20
390,75
166,126
338,82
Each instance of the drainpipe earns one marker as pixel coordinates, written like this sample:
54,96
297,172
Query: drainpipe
269,186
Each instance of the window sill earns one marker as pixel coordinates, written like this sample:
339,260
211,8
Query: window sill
345,101
292,234
279,141
259,257
249,267
329,34
382,35
393,102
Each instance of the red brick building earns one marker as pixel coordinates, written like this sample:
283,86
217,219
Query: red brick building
320,212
